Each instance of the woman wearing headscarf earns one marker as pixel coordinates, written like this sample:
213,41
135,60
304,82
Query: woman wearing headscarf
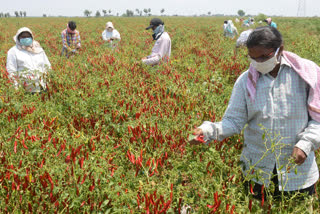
111,35
230,30
27,63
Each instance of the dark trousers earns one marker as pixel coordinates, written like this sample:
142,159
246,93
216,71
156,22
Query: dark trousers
257,189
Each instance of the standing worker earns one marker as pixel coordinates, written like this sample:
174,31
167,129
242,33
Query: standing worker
162,47
70,40
27,63
278,94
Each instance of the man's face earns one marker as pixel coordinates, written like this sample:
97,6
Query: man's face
154,27
109,29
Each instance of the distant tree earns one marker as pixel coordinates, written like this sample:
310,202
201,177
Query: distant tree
109,12
104,12
241,13
129,13
98,14
209,13
16,13
260,17
44,15
117,14
21,13
1,15
137,11
87,13
162,11
145,10
24,13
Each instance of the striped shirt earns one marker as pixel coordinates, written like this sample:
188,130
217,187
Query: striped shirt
277,122
71,40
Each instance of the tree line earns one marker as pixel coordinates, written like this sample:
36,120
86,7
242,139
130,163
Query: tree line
16,13
128,13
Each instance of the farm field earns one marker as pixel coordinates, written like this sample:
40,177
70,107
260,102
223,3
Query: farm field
110,135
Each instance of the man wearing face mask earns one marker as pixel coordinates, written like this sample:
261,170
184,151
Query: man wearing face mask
162,47
280,93
70,40
27,63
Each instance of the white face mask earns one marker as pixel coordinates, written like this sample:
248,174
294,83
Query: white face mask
267,66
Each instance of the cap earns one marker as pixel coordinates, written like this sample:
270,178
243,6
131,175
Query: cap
155,22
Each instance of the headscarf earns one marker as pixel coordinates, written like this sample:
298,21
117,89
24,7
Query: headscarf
109,24
158,32
34,48
269,20
230,26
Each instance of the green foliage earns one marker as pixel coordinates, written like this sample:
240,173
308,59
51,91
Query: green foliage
110,134
241,13
260,17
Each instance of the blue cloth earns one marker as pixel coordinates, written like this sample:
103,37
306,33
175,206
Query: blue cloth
273,24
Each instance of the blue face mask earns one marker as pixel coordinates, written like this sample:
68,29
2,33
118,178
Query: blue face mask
157,30
26,41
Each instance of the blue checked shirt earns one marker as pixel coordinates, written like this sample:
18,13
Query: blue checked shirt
276,122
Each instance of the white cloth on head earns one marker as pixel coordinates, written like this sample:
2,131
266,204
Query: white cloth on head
34,48
109,24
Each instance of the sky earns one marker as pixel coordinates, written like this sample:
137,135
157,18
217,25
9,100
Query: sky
179,7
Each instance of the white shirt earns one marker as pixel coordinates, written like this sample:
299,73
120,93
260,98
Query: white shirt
231,34
106,35
280,107
160,50
27,69
242,40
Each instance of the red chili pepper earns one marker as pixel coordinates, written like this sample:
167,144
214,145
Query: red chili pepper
232,209
24,145
251,189
30,207
84,178
15,147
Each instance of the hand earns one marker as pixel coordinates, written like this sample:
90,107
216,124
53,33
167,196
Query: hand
299,156
197,137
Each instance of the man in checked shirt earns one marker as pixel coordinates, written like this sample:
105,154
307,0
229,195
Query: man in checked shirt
281,93
70,40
